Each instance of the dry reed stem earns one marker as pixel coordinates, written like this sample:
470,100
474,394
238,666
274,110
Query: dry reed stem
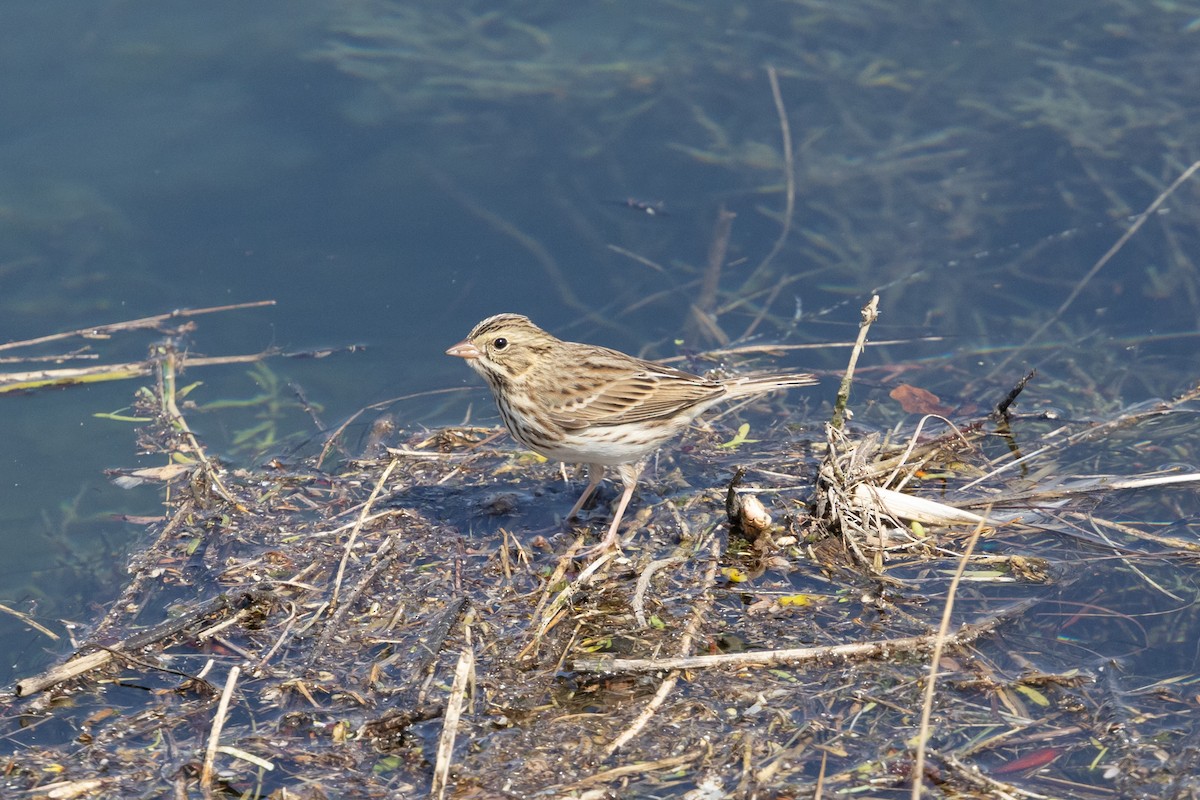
214,735
30,380
883,649
870,313
701,323
994,788
30,621
1094,432
654,265
789,174
358,525
464,674
640,768
69,790
547,612
63,672
105,331
940,639
638,601
894,479
383,556
167,376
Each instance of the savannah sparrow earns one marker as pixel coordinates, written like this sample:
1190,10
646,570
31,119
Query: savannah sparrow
584,404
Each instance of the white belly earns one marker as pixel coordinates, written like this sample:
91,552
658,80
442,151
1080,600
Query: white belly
612,445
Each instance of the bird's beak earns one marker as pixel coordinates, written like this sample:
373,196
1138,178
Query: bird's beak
464,349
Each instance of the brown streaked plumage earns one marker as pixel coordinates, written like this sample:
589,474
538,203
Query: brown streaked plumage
585,404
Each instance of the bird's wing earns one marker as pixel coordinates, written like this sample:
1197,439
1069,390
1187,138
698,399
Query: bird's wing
618,391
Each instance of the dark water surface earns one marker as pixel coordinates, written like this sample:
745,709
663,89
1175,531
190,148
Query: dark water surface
390,173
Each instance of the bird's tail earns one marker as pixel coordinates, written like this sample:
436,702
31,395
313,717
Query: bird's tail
750,385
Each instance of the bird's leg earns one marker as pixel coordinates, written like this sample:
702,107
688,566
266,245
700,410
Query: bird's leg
629,477
595,475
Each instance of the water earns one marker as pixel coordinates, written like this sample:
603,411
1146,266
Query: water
391,173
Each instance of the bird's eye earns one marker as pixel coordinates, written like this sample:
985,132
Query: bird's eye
500,343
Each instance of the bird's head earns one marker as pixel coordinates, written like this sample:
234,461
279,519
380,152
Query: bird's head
503,348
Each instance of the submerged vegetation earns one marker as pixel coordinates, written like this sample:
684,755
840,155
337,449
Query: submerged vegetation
931,146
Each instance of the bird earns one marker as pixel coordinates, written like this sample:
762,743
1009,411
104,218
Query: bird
585,404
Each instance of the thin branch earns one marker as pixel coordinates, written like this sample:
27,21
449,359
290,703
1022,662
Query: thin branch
701,322
104,331
362,518
167,377
464,674
940,639
789,175
214,736
869,314
1099,265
